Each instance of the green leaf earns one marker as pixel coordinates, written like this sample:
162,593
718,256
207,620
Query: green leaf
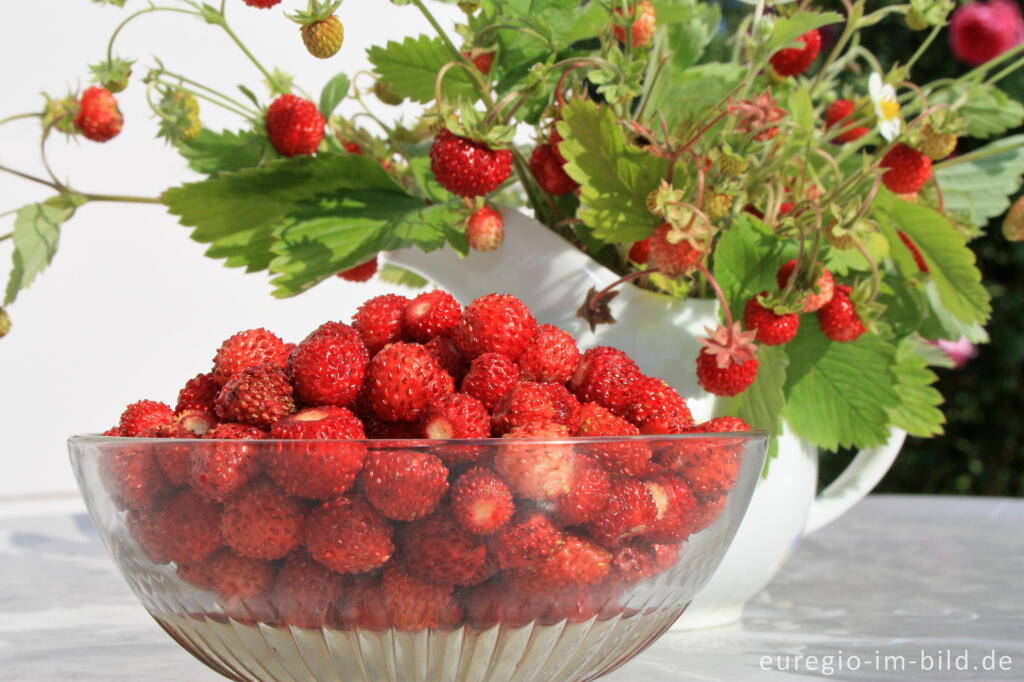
333,93
943,325
979,185
36,234
802,109
615,178
789,29
839,394
392,274
250,95
762,403
842,261
236,212
988,110
686,94
213,153
746,261
917,413
554,20
950,262
419,164
410,69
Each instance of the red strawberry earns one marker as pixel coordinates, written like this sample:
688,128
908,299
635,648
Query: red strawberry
708,511
838,318
257,396
539,471
347,535
727,363
219,470
360,604
294,125
638,560
443,349
483,61
495,323
588,495
262,4
143,415
243,585
431,314
817,296
640,252
606,376
908,169
630,510
577,562
481,503
439,551
494,603
566,406
379,429
360,273
676,505
627,458
329,365
113,432
317,470
404,485
144,526
485,229
262,522
189,527
548,171
197,574
526,542
919,260
524,403
304,591
173,458
793,61
709,467
839,114
132,477
654,400
724,424
456,415
98,117
198,394
643,26
551,356
490,377
672,259
468,168
379,321
771,329
402,379
248,349
415,604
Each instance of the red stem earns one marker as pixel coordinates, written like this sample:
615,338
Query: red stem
622,280
721,297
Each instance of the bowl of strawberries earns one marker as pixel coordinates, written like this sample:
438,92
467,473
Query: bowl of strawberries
429,492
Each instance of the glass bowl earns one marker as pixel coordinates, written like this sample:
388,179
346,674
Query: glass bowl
262,576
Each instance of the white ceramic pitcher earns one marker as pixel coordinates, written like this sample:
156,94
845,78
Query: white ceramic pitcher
660,333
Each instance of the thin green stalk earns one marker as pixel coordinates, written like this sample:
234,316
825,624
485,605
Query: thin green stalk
6,236
252,113
924,46
20,116
974,156
32,178
1005,72
266,74
113,37
478,82
982,69
121,198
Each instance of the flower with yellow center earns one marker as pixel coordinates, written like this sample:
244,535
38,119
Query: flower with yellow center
887,109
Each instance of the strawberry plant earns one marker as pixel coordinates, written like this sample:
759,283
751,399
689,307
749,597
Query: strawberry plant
778,167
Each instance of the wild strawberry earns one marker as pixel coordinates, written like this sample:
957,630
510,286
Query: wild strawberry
630,510
379,429
144,526
494,603
495,323
197,574
404,485
329,365
402,379
304,591
258,396
655,399
243,585
643,26
173,458
793,61
838,113
347,535
727,363
640,252
415,604
481,503
482,60
262,4
588,495
430,314
317,470
262,522
606,376
672,259
676,505
444,350
379,321
919,260
248,349
189,527
489,378
142,415
625,457
526,542
485,229
708,511
551,356
98,117
709,467
360,273
198,393
468,168
537,470
548,171
839,319
908,169
566,406
456,415
439,551
577,562
322,32
771,329
360,604
637,560
819,294
132,477
723,424
524,403
935,145
219,470
294,125
190,424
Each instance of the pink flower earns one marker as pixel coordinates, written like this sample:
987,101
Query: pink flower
980,31
959,351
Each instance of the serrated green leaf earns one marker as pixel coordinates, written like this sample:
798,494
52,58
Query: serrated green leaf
249,94
615,178
802,109
392,274
36,235
746,260
410,69
988,110
332,94
950,262
943,325
839,394
789,29
762,403
841,262
552,20
685,94
212,153
917,412
979,185
419,164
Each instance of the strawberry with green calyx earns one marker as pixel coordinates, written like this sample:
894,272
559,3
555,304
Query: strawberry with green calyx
907,169
179,116
386,95
112,74
814,283
727,364
482,58
60,113
641,27
322,32
772,326
840,115
470,159
839,319
793,61
295,126
98,118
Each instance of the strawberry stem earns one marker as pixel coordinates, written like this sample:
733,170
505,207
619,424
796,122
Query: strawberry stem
129,18
20,116
32,178
474,73
721,296
596,299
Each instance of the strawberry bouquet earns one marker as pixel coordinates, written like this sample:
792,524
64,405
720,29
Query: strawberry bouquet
776,166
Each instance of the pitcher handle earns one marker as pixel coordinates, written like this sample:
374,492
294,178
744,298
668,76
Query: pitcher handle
856,481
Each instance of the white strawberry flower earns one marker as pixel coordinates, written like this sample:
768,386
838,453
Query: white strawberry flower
887,108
